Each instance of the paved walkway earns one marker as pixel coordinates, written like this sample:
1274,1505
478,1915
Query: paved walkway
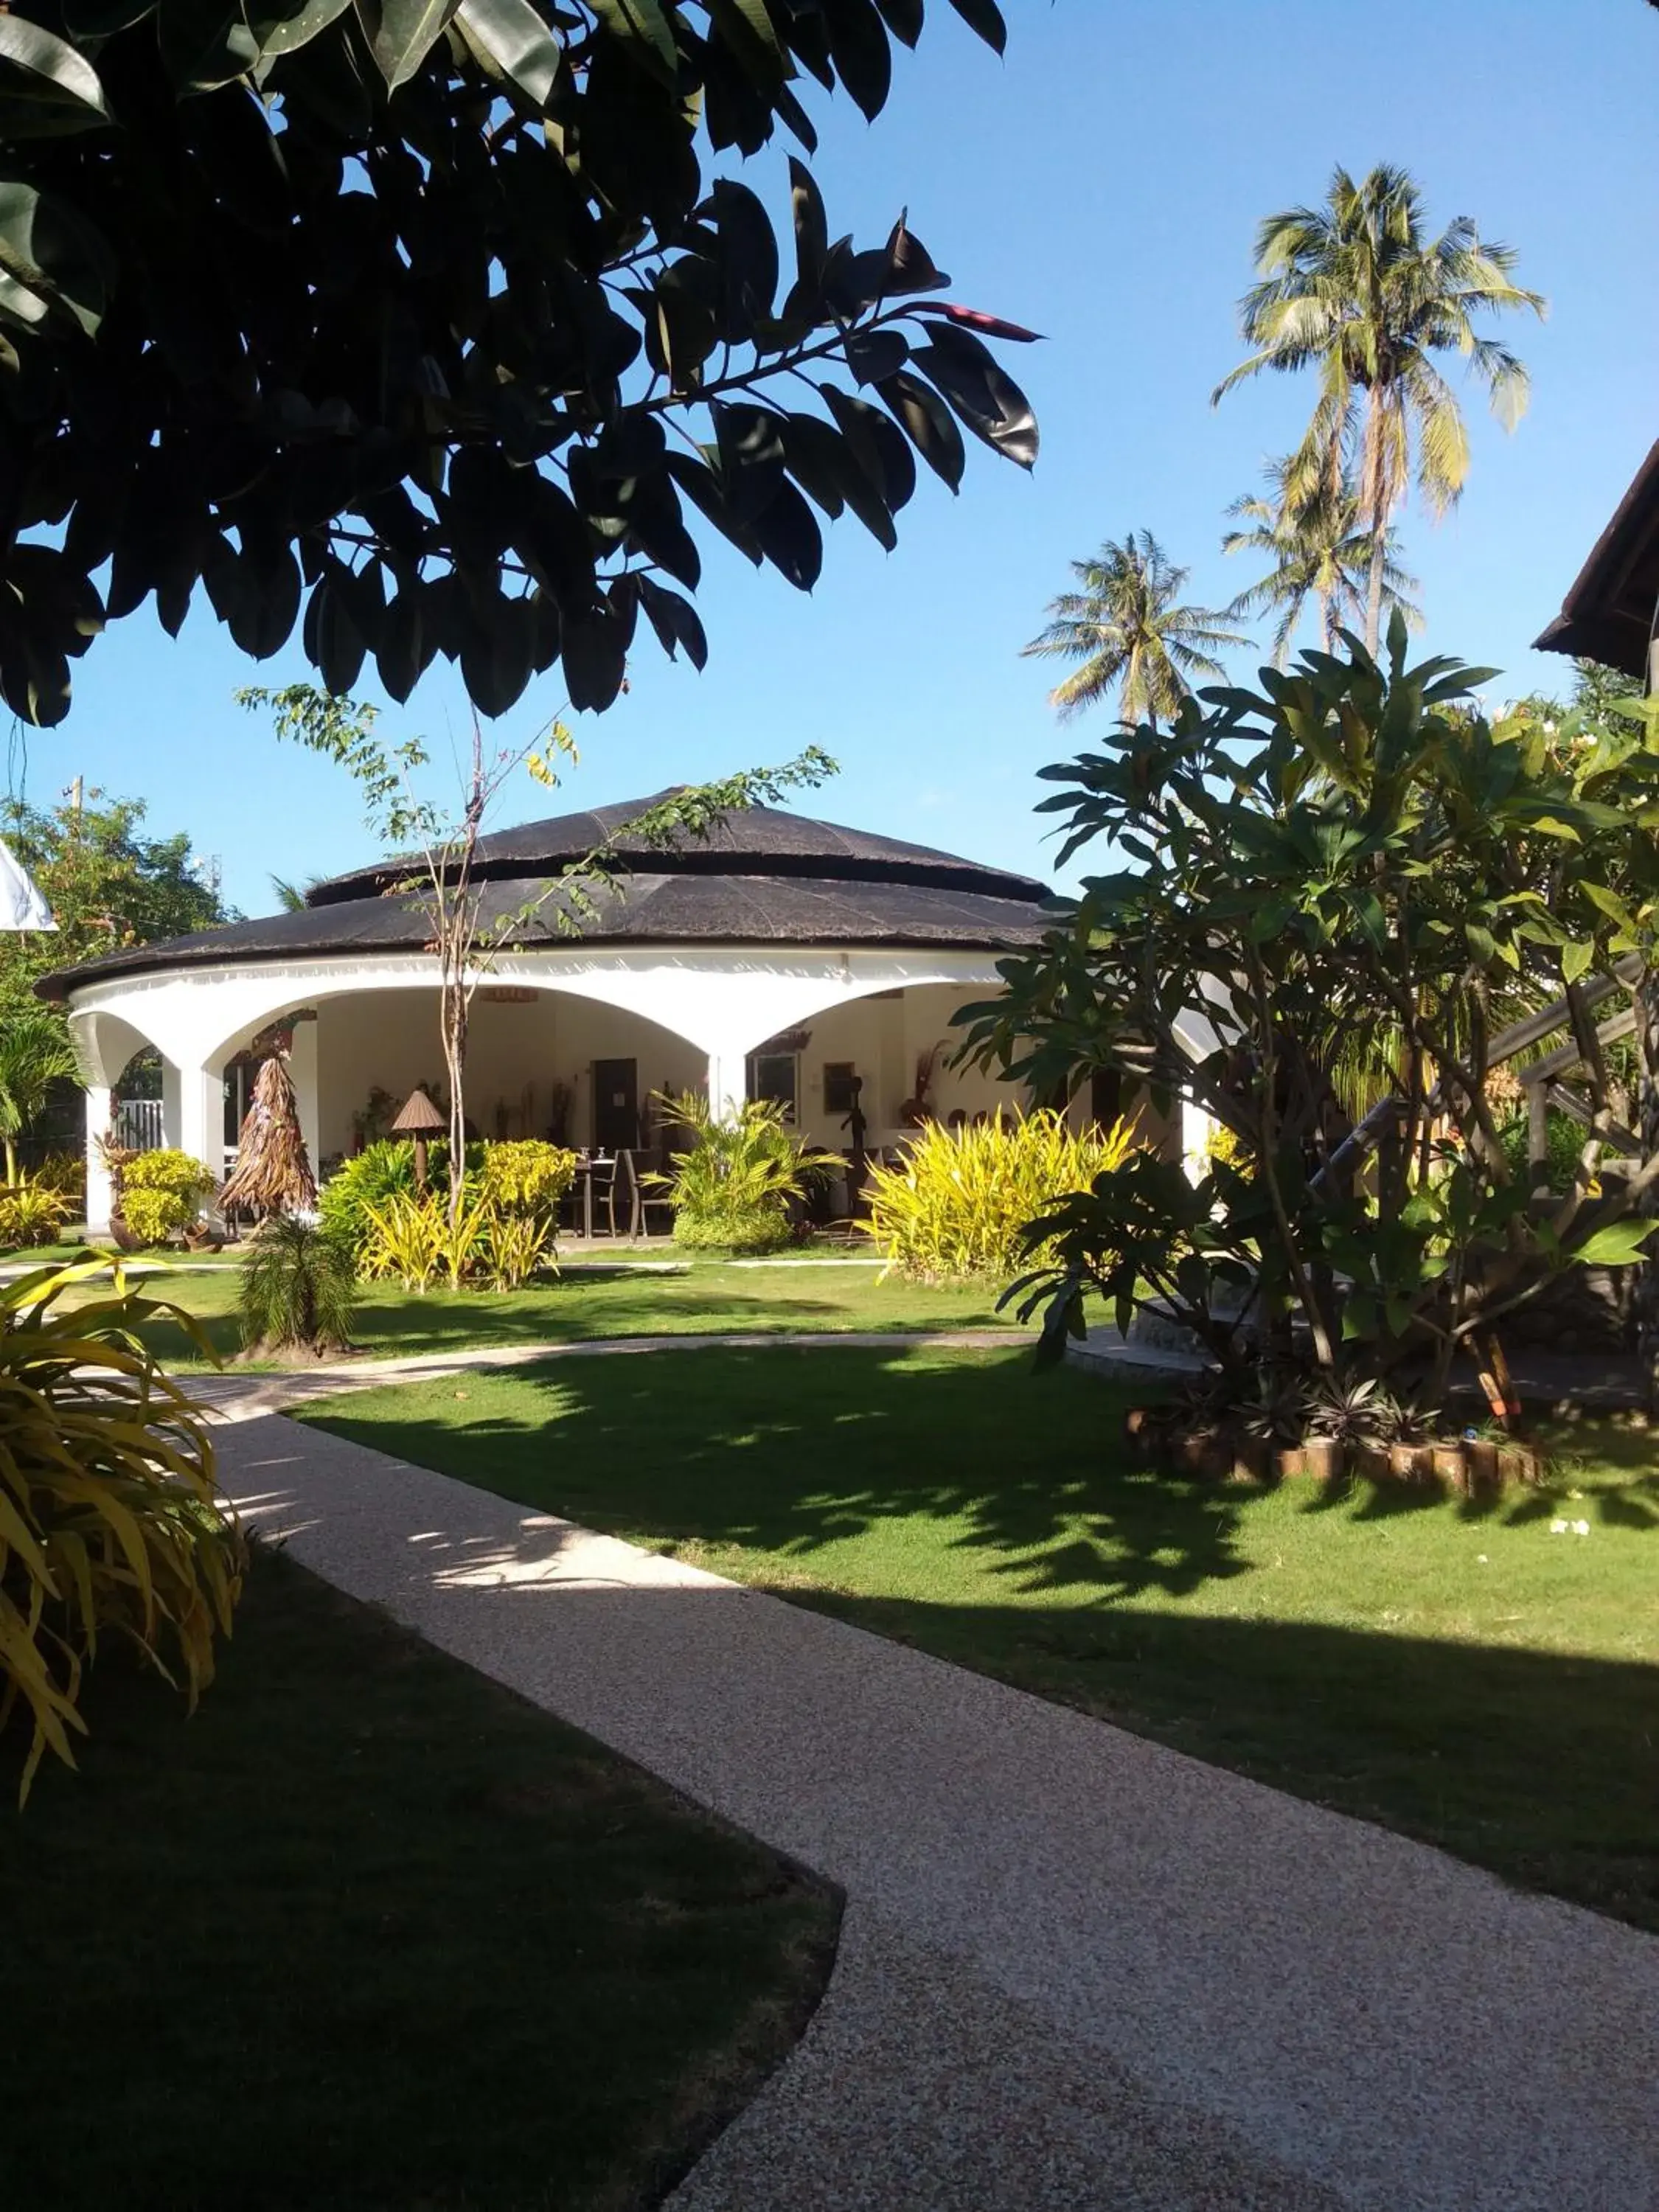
1078,1970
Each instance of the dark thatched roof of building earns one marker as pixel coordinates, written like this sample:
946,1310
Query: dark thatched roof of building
758,841
1609,613
777,880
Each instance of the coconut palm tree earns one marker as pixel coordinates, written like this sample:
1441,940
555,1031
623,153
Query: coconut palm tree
1126,627
1357,291
1320,551
35,1054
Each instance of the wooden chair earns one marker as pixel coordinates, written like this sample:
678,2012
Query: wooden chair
639,1198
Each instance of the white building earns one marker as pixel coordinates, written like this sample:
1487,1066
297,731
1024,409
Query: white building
783,957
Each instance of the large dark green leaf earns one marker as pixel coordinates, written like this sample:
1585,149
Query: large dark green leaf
931,425
985,17
747,28
401,34
514,42
333,643
205,43
814,455
812,226
751,457
903,18
643,26
675,621
749,255
873,354
594,652
280,30
790,538
990,403
406,645
881,453
858,48
38,68
706,492
50,255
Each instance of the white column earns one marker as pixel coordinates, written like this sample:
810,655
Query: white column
1196,1129
99,1191
194,1115
728,1078
302,1073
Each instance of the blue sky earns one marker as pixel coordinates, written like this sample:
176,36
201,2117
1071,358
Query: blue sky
1102,185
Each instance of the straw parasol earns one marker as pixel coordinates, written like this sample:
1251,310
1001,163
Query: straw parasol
421,1120
272,1174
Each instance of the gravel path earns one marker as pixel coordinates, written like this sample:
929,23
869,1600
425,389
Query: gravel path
1078,1970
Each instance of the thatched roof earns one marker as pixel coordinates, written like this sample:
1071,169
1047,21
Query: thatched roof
795,883
1609,613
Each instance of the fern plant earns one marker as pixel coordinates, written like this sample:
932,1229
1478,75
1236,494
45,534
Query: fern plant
111,1520
297,1289
959,1206
734,1185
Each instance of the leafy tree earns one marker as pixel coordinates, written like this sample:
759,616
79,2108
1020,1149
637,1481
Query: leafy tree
1127,628
1351,851
432,321
34,1054
107,885
1357,291
1320,551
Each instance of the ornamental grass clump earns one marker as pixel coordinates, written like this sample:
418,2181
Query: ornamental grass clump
735,1185
959,1206
111,1525
32,1212
297,1289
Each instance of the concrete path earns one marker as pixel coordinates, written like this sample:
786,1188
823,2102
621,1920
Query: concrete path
242,1397
1078,1970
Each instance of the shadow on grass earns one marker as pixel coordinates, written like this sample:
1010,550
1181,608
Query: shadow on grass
889,1487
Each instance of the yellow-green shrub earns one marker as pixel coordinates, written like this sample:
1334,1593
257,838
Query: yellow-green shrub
524,1174
31,1213
111,1521
515,1245
64,1172
958,1204
162,1192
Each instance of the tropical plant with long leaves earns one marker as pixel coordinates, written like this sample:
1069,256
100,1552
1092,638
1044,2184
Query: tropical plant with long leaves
1321,552
35,1054
1128,630
1357,291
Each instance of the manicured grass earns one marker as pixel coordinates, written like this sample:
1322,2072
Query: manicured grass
1454,1671
369,1934
629,1299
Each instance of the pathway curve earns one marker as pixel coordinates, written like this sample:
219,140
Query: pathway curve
1078,1970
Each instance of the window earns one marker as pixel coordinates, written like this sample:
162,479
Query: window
776,1076
839,1077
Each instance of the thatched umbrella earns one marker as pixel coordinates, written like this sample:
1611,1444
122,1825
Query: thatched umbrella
272,1174
421,1120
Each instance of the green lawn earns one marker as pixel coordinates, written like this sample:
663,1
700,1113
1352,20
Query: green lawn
369,1934
627,1299
1458,1673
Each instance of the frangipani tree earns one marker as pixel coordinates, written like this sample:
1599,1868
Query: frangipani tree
1351,851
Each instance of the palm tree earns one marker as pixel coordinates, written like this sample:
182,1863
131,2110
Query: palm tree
1355,290
1127,628
291,898
35,1054
1319,552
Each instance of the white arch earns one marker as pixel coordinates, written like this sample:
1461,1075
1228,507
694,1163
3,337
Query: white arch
722,1000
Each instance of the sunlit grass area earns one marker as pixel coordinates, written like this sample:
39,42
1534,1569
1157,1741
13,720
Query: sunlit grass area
597,1298
370,1932
1461,1672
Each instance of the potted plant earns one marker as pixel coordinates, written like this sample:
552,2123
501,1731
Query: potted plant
1451,1463
1270,1428
1344,1425
1482,1448
1410,1456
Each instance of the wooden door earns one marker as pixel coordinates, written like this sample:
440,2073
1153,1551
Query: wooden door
616,1104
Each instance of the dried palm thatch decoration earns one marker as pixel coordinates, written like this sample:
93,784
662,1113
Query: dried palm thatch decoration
272,1174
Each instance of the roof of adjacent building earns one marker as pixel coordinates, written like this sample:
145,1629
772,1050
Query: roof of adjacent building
762,877
1609,613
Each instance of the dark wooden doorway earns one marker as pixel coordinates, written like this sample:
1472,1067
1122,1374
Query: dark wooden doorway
616,1104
